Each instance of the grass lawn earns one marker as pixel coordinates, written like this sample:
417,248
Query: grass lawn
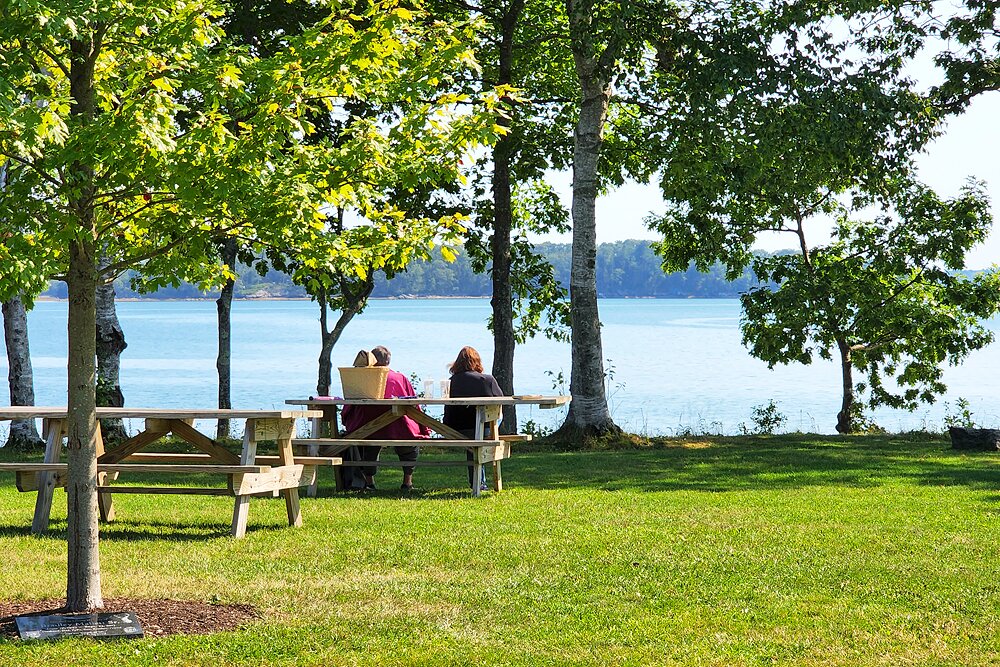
792,550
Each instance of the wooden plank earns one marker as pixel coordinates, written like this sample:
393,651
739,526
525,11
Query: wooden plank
33,467
189,434
304,460
105,505
158,425
54,429
285,453
167,457
28,481
130,446
168,490
497,477
241,507
516,437
406,464
416,442
433,424
181,468
493,453
373,426
277,479
540,401
274,429
144,467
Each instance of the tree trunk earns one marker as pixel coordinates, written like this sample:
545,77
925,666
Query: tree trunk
502,298
23,433
845,418
223,362
83,591
355,300
110,345
588,412
83,586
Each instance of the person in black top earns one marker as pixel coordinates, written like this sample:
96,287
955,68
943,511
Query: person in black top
468,380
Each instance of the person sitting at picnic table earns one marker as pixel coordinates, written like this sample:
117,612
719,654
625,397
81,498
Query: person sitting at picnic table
404,428
468,381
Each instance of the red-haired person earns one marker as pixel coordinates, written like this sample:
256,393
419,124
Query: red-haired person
468,381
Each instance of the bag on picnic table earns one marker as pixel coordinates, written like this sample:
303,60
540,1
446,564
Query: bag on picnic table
364,379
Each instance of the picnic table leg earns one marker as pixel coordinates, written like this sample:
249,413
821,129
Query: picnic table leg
241,508
53,430
284,443
497,477
313,450
477,473
104,502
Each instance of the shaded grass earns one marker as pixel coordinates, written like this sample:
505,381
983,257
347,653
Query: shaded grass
805,550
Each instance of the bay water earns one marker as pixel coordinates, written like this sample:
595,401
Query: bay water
673,365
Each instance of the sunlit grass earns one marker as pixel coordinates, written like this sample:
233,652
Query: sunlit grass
805,550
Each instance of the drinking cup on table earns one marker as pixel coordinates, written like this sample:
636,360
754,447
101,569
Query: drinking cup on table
428,388
445,388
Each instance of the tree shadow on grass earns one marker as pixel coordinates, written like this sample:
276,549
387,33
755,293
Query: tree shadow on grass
750,464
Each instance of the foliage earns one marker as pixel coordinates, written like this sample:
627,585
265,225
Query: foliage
961,416
881,299
826,128
767,420
624,269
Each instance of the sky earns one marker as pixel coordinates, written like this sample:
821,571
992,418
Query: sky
970,147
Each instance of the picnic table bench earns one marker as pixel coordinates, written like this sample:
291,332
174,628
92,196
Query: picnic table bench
487,445
247,474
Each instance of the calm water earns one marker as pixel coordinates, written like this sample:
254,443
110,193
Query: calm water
676,364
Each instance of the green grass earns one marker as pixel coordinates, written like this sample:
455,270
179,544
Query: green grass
793,550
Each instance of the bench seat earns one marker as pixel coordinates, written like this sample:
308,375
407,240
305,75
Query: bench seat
485,450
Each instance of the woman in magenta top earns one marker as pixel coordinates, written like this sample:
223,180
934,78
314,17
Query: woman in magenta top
404,428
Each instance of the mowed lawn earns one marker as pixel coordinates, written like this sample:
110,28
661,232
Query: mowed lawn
793,550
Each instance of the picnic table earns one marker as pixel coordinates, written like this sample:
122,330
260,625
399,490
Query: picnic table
487,445
246,474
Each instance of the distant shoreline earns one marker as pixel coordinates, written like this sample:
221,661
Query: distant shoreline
374,298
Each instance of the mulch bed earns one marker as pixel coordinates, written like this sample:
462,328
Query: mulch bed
157,617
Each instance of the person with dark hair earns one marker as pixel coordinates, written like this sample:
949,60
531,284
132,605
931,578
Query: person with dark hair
468,381
404,428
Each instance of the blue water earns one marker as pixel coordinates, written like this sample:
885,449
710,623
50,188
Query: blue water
675,365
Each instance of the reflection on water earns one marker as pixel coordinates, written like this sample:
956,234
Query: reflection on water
673,364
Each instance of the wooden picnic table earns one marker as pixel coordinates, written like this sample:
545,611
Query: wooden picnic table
487,445
247,473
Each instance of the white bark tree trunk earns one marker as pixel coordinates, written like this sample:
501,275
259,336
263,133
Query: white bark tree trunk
588,412
23,432
110,345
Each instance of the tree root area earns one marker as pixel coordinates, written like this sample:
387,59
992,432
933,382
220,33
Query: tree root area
158,618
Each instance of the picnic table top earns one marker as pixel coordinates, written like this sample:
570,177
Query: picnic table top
48,412
525,399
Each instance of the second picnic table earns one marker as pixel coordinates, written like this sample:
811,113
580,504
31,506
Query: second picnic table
487,445
247,473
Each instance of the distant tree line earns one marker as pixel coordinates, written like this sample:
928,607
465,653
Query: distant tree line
624,269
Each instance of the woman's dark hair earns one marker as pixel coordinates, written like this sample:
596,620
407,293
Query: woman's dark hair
382,355
467,360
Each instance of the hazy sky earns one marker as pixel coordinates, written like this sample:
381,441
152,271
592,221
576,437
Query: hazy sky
969,147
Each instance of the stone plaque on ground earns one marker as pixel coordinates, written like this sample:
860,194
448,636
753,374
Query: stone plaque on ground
119,624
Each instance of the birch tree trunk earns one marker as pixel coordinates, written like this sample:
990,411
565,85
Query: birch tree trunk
223,362
23,433
588,412
83,586
110,344
502,297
